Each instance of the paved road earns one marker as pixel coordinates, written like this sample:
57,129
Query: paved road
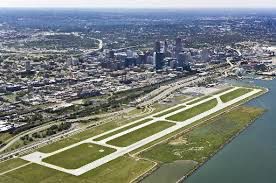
163,92
100,46
37,156
66,134
17,137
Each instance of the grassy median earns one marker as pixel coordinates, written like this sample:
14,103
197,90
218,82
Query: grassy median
120,170
84,135
169,111
194,111
79,156
122,129
201,142
234,94
198,100
140,134
94,131
222,91
196,144
11,164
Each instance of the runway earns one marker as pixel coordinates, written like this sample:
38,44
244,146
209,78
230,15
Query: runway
37,157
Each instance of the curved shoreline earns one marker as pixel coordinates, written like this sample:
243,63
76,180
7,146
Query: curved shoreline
217,151
224,144
265,90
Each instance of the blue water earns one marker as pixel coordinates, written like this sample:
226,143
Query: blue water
251,157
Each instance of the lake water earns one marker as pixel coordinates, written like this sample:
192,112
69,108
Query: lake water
251,157
171,172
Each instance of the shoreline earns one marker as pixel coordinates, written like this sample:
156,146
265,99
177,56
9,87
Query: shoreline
217,151
183,178
226,143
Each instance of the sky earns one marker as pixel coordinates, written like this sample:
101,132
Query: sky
140,3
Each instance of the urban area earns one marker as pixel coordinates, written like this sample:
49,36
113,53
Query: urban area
123,82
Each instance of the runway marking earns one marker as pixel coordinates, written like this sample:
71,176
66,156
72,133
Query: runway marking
37,157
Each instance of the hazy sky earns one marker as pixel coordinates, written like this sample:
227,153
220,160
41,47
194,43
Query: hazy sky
139,3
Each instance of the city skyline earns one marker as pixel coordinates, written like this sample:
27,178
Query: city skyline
119,91
140,4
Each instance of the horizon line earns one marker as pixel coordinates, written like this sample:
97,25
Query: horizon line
135,8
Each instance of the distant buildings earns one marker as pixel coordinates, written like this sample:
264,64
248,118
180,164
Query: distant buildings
164,55
166,46
178,46
28,66
205,55
158,56
112,54
157,47
159,60
5,126
182,59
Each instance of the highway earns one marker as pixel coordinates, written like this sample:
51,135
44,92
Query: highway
100,46
145,102
165,91
29,148
17,137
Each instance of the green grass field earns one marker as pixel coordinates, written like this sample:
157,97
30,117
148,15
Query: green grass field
79,156
5,136
77,138
169,111
121,170
84,135
140,134
202,141
198,100
223,90
96,131
194,111
234,94
125,169
121,130
11,164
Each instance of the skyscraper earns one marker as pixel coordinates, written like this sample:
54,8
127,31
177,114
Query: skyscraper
157,47
166,46
159,60
178,46
182,59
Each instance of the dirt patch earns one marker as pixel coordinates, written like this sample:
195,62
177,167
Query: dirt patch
179,141
196,149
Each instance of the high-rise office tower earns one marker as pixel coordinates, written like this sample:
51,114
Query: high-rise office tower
182,59
178,46
166,46
157,47
159,60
